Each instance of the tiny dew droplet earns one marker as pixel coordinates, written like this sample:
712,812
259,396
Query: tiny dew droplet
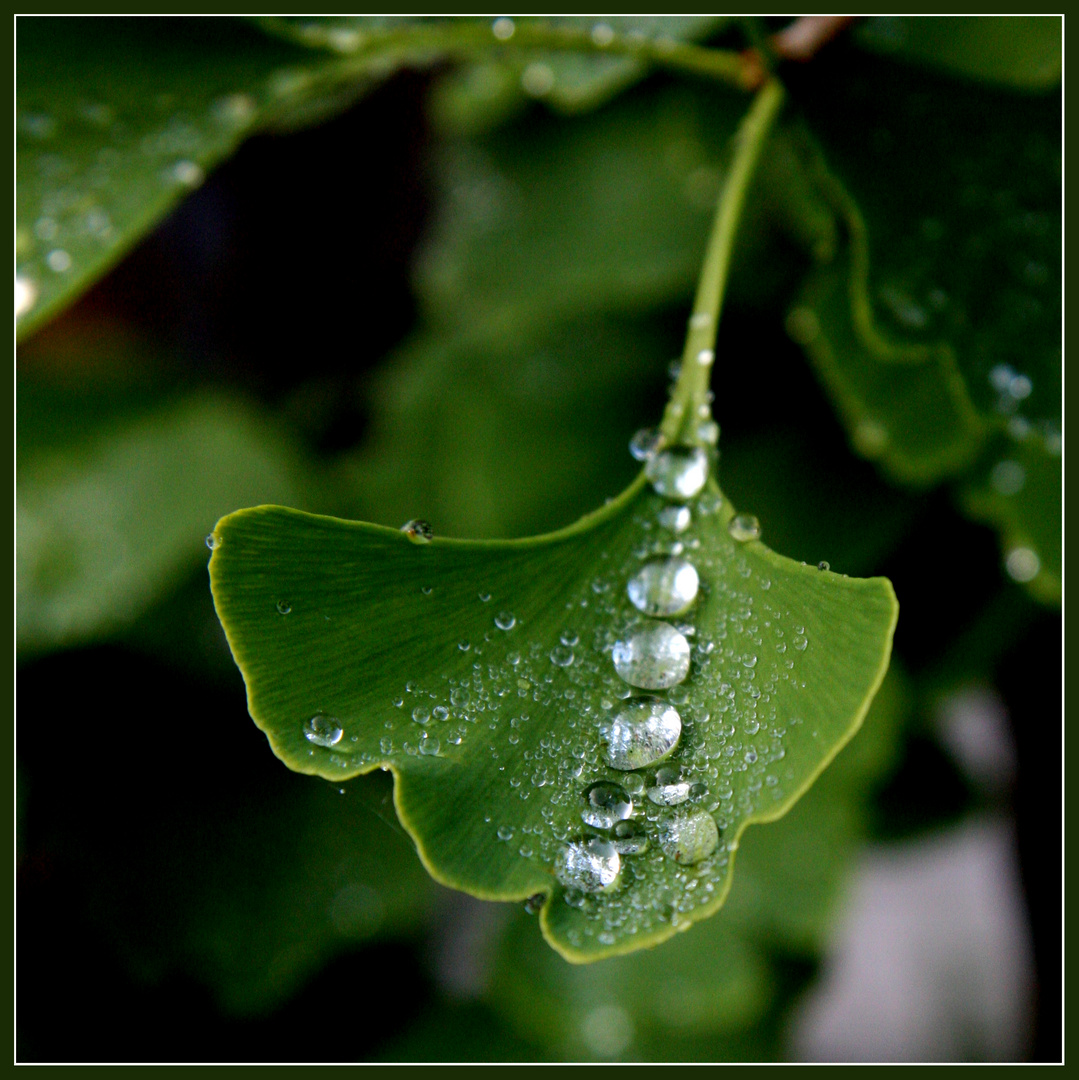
590,865
323,730
678,473
505,620
562,656
418,531
1022,564
212,542
535,902
607,804
644,443
484,597
822,565
643,733
744,527
705,357
426,590
505,832
503,28
664,587
283,607
421,714
689,839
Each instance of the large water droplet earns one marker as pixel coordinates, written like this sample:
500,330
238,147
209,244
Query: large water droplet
744,527
643,733
669,789
607,805
589,865
690,838
678,473
418,531
653,658
323,730
664,587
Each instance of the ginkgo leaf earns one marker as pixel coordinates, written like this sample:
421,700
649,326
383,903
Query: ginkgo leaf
655,648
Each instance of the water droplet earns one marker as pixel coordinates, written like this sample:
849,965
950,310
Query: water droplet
590,865
464,646
678,473
602,34
653,658
664,587
630,838
644,443
669,789
690,838
440,712
643,733
485,597
676,518
187,173
823,565
800,643
385,744
503,28
701,320
708,432
537,80
705,357
426,590
25,295
607,805
1022,564
212,542
59,261
744,527
561,656
535,902
323,730
709,503
421,714
505,832
505,620
418,531
569,637
460,697
429,744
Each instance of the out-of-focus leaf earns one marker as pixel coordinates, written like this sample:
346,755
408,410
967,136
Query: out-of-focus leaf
1019,491
553,218
1021,51
109,524
702,992
478,96
948,325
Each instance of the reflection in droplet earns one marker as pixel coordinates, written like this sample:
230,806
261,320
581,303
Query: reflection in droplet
643,733
653,658
678,473
689,839
607,804
664,587
590,865
323,730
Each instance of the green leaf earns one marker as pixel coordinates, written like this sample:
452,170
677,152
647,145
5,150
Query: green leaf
1024,51
350,636
108,523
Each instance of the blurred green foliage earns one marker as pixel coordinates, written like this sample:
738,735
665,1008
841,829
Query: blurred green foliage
552,289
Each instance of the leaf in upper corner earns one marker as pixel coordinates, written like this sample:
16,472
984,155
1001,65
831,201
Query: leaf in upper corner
481,673
119,118
699,995
1024,52
109,519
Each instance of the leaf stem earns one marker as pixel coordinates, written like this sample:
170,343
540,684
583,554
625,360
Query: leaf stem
690,393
